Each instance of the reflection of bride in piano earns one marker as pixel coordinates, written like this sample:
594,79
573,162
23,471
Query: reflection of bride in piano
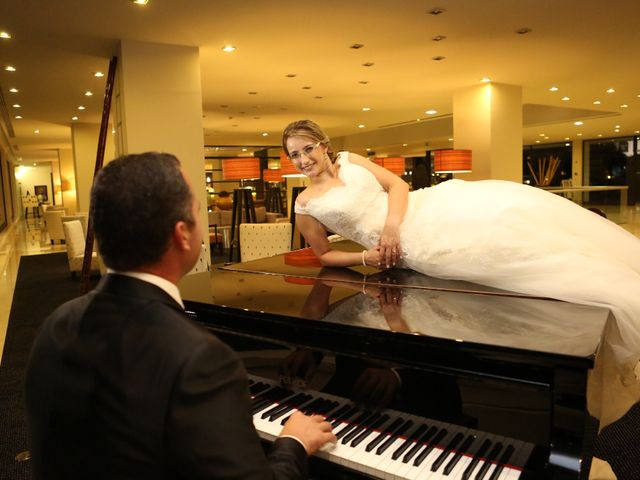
496,233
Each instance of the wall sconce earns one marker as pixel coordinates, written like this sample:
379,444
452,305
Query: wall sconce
240,168
451,161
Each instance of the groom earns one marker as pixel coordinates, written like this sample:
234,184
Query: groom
120,384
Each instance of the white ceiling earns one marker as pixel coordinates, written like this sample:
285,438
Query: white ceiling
582,47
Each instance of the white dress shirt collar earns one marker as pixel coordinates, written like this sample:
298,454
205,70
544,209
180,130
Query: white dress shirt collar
170,288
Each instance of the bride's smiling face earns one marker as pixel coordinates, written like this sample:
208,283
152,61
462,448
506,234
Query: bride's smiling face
307,156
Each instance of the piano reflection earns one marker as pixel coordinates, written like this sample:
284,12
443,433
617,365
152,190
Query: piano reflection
420,378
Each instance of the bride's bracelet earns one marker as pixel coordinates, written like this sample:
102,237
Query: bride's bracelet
364,260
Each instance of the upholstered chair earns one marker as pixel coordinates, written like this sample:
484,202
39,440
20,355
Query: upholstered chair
83,217
53,221
75,240
259,240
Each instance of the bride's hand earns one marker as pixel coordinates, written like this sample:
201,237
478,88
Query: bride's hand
390,249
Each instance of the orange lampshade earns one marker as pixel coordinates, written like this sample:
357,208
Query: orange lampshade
286,167
448,161
393,164
272,175
240,168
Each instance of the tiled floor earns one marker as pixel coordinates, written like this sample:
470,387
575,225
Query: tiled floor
27,237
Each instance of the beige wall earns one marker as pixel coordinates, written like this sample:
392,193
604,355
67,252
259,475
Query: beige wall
68,180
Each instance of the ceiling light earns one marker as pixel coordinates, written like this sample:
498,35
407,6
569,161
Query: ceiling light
265,134
140,2
228,48
436,11
16,105
81,107
610,90
451,139
13,90
485,79
366,109
404,144
36,131
252,93
565,99
88,93
318,97
356,46
5,35
617,126
10,68
523,31
368,149
637,131
439,38
18,117
363,82
361,126
546,138
290,75
437,58
596,102
431,112
368,64
578,123
98,74
537,141
579,134
599,134
541,135
306,87
244,149
553,89
624,105
616,130
567,138
74,118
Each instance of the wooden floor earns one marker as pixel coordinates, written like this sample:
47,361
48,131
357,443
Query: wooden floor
28,237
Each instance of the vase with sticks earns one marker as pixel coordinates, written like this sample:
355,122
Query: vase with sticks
543,170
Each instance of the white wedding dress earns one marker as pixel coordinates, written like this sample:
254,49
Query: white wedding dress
501,234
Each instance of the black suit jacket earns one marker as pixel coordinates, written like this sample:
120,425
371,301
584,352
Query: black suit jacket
121,385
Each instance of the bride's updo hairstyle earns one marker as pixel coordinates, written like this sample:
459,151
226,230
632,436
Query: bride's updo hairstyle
310,130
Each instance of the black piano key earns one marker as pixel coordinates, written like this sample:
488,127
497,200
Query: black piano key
506,455
476,458
405,426
490,459
311,406
387,431
345,416
281,406
401,449
351,425
289,405
447,450
458,455
364,425
427,450
257,387
422,441
276,394
327,407
369,431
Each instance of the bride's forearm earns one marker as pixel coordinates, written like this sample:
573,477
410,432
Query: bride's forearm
337,258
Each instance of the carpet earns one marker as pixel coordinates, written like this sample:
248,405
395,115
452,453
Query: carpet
43,283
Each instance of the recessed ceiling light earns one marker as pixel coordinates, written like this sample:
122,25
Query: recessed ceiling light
13,90
637,131
98,74
368,149
436,11
541,135
567,144
366,109
579,134
616,130
318,97
567,138
617,126
252,93
228,48
356,46
244,149
265,134
578,123
485,79
74,118
565,99
523,31
431,112
368,64
437,58
599,134
290,75
16,105
546,138
597,102
611,90
88,93
36,131
404,144
81,107
451,139
363,82
306,87
18,117
10,68
537,141
553,89
624,105
140,2
5,35
439,38
361,126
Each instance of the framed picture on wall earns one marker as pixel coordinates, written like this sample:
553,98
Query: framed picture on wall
40,191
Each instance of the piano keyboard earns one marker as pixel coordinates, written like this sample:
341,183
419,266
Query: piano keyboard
388,444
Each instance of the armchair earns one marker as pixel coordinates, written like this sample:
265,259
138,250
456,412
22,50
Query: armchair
75,240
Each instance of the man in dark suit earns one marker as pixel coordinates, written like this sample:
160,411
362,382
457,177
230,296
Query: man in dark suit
120,384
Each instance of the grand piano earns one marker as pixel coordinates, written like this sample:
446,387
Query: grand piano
420,377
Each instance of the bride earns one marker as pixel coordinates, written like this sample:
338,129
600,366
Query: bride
497,233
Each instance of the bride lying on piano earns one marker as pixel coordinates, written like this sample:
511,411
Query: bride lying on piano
497,233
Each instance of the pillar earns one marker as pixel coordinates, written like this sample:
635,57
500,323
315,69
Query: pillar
487,119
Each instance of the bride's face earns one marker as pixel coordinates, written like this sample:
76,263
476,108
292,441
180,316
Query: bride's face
307,156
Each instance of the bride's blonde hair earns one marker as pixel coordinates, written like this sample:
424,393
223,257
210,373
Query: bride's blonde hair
308,129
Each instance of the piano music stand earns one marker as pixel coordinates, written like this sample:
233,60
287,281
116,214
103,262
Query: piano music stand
242,199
